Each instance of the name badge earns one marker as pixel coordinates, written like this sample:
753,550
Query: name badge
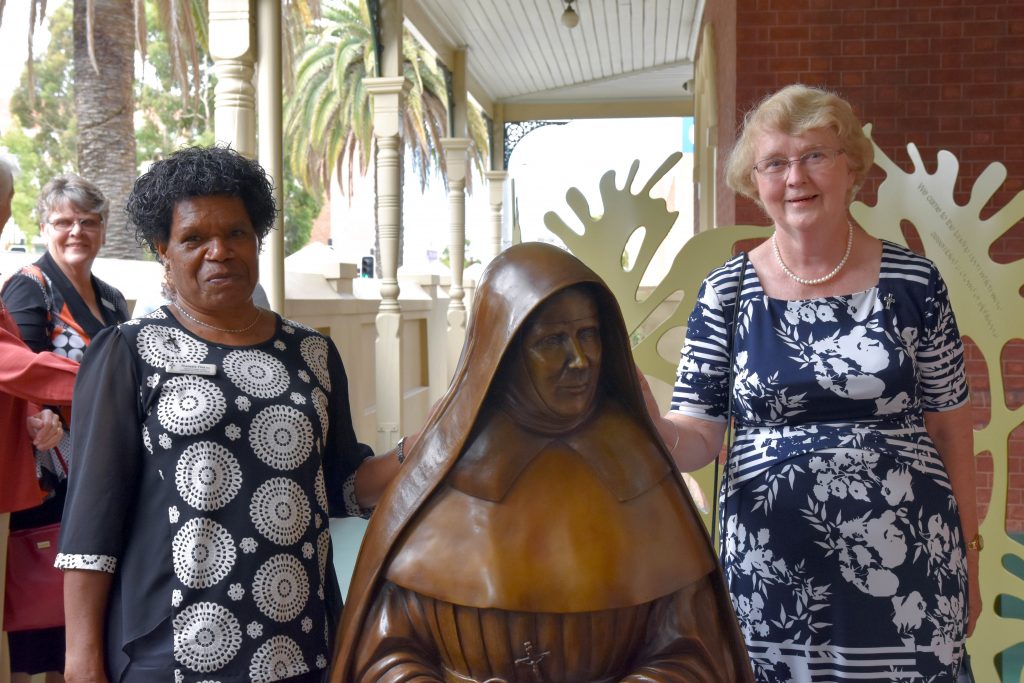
208,369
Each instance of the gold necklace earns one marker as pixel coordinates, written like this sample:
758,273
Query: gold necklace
817,280
259,312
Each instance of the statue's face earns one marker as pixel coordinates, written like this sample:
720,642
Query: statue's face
562,346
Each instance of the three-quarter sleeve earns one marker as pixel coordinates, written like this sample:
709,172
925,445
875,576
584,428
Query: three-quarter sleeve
26,304
702,378
344,453
940,356
105,472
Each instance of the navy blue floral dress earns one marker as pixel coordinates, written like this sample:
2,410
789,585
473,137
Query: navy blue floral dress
841,538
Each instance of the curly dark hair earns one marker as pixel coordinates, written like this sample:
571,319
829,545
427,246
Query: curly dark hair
198,172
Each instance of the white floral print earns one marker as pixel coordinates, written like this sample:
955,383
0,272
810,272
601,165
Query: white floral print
836,509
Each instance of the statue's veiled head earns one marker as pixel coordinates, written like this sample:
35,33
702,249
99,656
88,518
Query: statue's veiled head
545,342
551,374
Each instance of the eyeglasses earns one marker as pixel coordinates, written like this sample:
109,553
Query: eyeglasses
815,160
66,224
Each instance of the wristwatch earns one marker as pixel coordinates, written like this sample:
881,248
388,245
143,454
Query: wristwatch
976,543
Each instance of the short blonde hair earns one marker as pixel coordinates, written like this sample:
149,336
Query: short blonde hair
73,189
794,110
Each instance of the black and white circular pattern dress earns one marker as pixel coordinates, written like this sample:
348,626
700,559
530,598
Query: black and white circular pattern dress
206,477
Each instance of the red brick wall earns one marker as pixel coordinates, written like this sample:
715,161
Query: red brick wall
943,74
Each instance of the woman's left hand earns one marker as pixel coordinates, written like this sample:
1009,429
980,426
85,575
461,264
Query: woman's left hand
45,429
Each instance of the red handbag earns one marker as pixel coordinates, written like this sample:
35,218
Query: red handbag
34,597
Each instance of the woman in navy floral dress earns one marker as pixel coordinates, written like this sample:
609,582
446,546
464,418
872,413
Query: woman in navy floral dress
849,529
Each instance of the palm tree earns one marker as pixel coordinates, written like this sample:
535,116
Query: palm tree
329,117
105,106
106,34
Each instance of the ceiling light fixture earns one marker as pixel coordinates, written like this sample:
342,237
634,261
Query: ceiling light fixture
569,16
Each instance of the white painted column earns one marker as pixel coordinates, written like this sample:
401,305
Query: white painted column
387,94
232,49
457,160
496,189
268,34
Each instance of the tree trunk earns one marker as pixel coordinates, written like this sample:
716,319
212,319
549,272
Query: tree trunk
105,105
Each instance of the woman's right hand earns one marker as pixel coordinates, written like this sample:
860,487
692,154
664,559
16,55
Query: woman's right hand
84,669
85,606
45,428
665,428
692,442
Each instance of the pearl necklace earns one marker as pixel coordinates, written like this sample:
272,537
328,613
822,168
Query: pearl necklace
259,312
817,280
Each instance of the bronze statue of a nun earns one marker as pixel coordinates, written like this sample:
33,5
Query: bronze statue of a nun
538,531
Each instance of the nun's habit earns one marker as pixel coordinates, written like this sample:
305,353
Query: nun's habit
518,545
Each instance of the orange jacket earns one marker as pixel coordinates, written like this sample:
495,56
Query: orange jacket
28,380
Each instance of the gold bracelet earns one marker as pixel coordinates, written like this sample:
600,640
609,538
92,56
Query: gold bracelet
976,543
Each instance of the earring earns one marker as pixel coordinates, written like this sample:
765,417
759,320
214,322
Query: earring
167,289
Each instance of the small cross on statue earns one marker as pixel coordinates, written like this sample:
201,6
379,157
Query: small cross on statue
533,661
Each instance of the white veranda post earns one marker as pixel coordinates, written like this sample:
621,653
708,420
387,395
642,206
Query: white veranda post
387,96
233,51
456,158
496,188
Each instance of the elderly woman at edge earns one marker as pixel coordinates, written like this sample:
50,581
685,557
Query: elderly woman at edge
26,380
849,527
215,445
59,305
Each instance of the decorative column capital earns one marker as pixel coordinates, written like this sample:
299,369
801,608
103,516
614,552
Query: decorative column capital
387,94
456,158
232,30
456,145
496,185
384,85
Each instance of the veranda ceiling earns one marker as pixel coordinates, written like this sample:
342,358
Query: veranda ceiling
625,58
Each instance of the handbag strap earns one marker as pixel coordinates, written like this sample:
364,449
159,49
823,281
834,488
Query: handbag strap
36,274
730,338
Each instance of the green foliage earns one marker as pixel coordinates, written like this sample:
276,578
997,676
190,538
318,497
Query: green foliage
329,118
43,127
446,258
300,211
167,117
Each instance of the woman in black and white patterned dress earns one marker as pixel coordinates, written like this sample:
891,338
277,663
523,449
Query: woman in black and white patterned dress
214,441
